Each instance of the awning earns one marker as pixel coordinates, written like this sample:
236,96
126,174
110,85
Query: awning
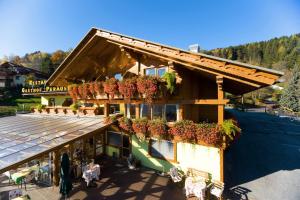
26,137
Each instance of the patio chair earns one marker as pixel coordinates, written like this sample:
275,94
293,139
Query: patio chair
217,189
175,175
14,193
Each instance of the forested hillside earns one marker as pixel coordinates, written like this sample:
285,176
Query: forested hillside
278,53
42,61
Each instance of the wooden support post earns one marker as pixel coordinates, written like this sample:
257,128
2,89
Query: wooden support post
220,98
222,165
56,156
137,110
106,109
94,147
71,149
181,112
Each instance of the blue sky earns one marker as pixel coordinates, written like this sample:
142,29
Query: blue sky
48,25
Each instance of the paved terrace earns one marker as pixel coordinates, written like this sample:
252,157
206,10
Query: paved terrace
116,183
24,137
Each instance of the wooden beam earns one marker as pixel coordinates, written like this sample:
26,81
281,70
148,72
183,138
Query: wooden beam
137,110
106,108
160,101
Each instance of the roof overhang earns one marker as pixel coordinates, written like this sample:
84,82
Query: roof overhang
103,53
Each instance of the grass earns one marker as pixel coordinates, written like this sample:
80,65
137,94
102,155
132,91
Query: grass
11,105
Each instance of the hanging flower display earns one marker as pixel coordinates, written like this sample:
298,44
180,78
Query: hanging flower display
184,130
97,88
111,87
80,91
148,87
127,87
139,126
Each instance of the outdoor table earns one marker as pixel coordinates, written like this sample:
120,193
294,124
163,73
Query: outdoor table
196,188
91,173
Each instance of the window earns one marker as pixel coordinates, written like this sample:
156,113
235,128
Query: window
118,77
145,110
114,139
130,111
156,71
171,112
158,111
162,149
114,108
161,71
150,71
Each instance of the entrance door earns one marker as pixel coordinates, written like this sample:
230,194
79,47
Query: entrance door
126,146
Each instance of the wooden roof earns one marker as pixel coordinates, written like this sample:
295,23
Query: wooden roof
104,53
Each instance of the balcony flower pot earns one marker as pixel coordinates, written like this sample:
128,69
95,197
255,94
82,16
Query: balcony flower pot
158,129
125,124
184,130
140,127
210,134
127,87
147,86
111,87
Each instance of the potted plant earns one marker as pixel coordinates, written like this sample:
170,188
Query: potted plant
74,107
40,107
170,78
125,124
209,133
80,91
110,119
111,87
140,126
147,86
230,129
127,87
97,88
158,128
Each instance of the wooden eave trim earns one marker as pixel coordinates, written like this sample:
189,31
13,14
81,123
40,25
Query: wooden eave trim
192,66
209,63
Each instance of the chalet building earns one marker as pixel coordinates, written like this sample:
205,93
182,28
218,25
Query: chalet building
201,82
172,102
13,75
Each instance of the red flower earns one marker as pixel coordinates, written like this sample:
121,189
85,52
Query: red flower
111,87
127,87
148,86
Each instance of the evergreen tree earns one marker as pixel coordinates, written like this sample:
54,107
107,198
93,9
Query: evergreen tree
290,98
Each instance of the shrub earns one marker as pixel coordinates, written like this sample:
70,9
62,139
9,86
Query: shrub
158,128
111,87
125,124
230,129
148,86
127,87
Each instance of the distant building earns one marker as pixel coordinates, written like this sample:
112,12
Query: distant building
13,75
